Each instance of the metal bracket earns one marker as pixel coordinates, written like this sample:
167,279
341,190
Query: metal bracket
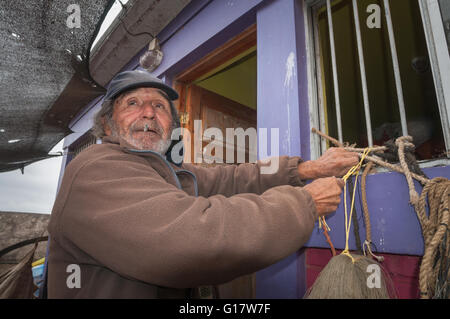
184,118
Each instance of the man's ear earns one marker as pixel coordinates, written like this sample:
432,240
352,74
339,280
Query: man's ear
106,127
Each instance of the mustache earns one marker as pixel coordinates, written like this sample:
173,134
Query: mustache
147,127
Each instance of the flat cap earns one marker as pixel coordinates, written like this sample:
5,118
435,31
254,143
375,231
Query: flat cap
135,79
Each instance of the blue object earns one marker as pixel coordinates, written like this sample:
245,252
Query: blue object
38,277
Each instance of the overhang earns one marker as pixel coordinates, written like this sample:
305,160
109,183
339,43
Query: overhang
48,73
44,77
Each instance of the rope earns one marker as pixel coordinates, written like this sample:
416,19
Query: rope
435,265
434,225
368,242
332,140
395,168
373,159
401,142
355,221
353,171
323,224
373,149
325,232
434,230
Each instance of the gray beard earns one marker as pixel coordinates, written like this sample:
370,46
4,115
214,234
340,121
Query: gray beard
160,147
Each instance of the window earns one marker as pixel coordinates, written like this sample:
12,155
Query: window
379,73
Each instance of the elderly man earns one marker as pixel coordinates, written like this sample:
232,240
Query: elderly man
129,223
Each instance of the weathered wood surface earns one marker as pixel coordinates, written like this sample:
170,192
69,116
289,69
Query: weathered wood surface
16,227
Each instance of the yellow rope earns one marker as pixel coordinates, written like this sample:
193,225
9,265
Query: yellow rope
348,219
322,220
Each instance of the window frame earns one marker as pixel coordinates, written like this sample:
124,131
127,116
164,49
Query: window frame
439,61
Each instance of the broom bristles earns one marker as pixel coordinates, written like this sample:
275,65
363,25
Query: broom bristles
343,279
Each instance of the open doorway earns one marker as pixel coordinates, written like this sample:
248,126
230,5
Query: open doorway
218,94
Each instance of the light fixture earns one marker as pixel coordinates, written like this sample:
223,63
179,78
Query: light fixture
152,58
14,141
2,130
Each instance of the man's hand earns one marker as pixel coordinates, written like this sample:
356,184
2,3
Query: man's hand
334,162
326,193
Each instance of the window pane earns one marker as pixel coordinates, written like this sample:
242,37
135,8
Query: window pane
417,82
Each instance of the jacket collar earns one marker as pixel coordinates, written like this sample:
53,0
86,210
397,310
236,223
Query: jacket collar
159,162
162,163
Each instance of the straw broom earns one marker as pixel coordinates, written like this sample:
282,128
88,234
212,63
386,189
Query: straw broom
346,276
434,221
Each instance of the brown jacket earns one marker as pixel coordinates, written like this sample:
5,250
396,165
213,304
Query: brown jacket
141,227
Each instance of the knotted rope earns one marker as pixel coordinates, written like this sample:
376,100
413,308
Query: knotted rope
401,143
435,265
434,226
353,171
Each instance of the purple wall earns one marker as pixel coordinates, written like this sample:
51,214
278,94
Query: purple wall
211,24
283,104
394,224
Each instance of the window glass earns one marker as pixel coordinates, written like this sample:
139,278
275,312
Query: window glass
422,112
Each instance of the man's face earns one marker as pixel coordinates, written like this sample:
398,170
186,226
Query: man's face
143,118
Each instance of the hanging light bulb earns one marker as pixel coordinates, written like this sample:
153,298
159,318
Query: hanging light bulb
152,58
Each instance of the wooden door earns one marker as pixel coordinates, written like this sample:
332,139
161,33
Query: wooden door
196,103
216,111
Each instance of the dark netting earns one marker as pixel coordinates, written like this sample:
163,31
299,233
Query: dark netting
44,80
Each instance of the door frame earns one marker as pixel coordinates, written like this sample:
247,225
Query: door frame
188,105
